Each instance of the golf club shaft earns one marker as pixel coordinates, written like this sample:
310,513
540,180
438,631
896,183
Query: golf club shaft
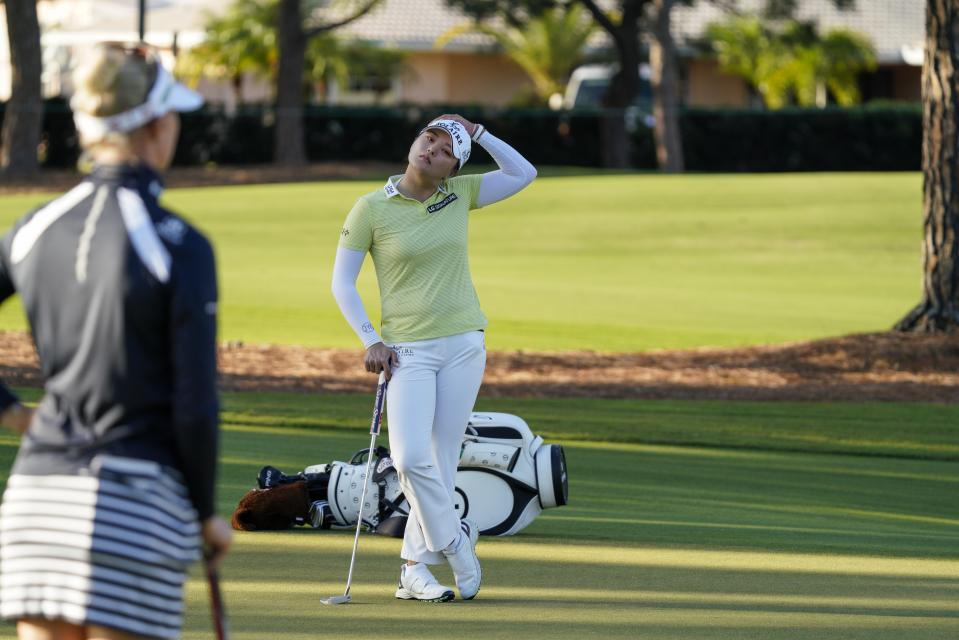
216,601
374,431
359,521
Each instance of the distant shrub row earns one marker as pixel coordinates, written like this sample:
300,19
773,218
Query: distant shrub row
720,140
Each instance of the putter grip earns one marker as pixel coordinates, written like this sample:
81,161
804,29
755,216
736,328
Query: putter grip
378,405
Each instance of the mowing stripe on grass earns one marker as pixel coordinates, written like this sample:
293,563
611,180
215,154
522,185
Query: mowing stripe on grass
658,542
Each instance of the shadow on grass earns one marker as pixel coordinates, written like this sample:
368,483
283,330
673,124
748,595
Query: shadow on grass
542,598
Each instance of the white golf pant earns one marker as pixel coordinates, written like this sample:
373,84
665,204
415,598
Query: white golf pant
428,403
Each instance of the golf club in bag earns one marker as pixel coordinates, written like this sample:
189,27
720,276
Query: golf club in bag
374,431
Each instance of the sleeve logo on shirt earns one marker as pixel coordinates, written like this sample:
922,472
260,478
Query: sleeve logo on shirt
433,208
172,229
367,327
345,232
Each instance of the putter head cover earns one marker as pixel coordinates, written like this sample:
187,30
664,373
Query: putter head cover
273,509
270,477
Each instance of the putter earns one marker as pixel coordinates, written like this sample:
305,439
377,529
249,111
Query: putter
375,431
216,601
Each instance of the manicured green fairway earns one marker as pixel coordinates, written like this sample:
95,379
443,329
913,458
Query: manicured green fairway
763,532
614,262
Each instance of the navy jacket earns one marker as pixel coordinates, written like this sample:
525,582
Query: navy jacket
121,298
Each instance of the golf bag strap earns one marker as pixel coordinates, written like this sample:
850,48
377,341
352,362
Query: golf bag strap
389,507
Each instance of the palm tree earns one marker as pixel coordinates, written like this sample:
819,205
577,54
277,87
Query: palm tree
547,47
790,61
746,48
833,63
243,40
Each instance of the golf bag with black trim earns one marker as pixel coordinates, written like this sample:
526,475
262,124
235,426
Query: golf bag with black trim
505,478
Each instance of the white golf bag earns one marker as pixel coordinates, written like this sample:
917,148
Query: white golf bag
506,477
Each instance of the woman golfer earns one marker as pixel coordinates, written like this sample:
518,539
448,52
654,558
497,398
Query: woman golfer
112,489
432,342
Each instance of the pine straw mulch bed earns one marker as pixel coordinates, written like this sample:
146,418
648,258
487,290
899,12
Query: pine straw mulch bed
878,366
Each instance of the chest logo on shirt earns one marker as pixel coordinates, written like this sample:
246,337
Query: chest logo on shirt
433,208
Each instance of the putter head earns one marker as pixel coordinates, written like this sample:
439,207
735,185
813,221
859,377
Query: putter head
336,599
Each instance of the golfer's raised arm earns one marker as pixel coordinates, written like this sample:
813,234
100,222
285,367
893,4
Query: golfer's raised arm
346,269
514,174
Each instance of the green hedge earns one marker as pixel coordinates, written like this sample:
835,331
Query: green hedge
834,139
716,140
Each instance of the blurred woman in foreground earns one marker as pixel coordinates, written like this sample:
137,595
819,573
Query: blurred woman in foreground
112,490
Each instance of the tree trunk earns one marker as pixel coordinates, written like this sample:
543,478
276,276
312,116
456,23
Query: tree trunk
614,134
664,79
237,82
615,139
939,308
23,118
289,148
624,85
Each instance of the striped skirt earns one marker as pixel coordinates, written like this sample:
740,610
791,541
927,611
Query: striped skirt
109,547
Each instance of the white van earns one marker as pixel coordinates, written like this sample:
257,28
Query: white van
588,83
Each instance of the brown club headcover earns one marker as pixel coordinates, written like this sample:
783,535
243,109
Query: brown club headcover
272,509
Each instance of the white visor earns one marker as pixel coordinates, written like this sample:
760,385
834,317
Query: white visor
462,145
166,95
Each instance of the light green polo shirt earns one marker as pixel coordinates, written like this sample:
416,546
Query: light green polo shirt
419,250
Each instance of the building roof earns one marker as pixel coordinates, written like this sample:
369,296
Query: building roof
414,25
891,25
406,24
895,27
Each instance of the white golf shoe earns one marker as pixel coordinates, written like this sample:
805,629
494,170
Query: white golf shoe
417,583
462,558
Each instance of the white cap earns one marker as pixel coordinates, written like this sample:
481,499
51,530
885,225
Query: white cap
166,95
462,145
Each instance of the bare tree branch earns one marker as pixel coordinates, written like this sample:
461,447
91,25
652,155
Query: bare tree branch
601,18
315,31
